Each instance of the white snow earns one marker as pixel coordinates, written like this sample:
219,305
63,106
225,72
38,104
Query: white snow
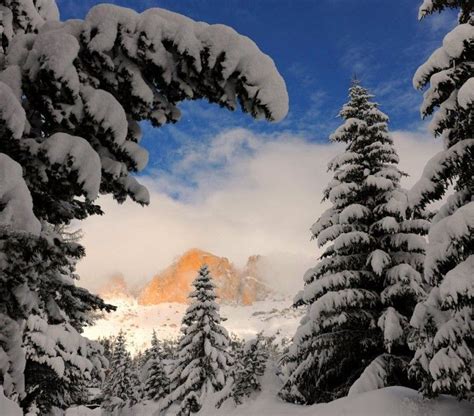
138,154
353,212
378,182
372,378
54,51
459,282
107,112
139,192
441,236
348,239
138,321
12,113
11,76
425,8
453,46
260,77
433,171
61,147
350,125
8,407
466,94
438,60
455,41
15,198
389,401
335,301
378,261
392,325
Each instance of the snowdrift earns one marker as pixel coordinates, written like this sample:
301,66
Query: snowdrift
390,401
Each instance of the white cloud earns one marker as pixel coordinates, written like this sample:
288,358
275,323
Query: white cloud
252,194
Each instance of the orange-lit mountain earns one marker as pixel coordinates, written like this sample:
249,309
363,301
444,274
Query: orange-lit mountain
233,286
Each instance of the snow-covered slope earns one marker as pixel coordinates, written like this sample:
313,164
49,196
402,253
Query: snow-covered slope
273,316
390,401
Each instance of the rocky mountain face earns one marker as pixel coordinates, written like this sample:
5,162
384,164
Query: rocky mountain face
174,283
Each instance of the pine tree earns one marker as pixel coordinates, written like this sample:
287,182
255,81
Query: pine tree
107,344
49,348
251,366
361,294
170,348
203,359
444,325
121,387
157,382
72,95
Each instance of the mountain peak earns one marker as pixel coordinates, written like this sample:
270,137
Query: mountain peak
233,286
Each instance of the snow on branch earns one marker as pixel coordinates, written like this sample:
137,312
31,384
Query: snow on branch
445,237
15,198
438,170
453,47
197,60
458,284
75,154
12,115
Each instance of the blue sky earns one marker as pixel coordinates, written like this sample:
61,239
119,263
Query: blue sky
317,45
236,187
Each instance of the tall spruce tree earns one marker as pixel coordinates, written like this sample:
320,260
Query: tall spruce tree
203,359
361,294
157,383
120,387
250,367
72,95
444,324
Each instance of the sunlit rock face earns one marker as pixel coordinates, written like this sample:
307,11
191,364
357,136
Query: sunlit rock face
233,286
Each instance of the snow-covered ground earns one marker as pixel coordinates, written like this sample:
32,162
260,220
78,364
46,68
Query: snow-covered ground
272,317
275,316
391,401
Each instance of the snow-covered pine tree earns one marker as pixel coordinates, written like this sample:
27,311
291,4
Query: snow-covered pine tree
444,324
157,382
251,367
203,359
107,344
120,388
362,292
72,95
48,347
169,349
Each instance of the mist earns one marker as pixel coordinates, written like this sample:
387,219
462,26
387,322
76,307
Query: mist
251,195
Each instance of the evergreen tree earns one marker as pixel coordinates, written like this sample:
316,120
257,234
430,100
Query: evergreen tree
169,349
121,385
444,325
157,382
361,294
107,344
72,95
250,367
203,360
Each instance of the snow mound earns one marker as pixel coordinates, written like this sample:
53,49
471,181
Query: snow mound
389,401
7,407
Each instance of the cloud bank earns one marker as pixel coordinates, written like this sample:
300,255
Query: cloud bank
237,195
